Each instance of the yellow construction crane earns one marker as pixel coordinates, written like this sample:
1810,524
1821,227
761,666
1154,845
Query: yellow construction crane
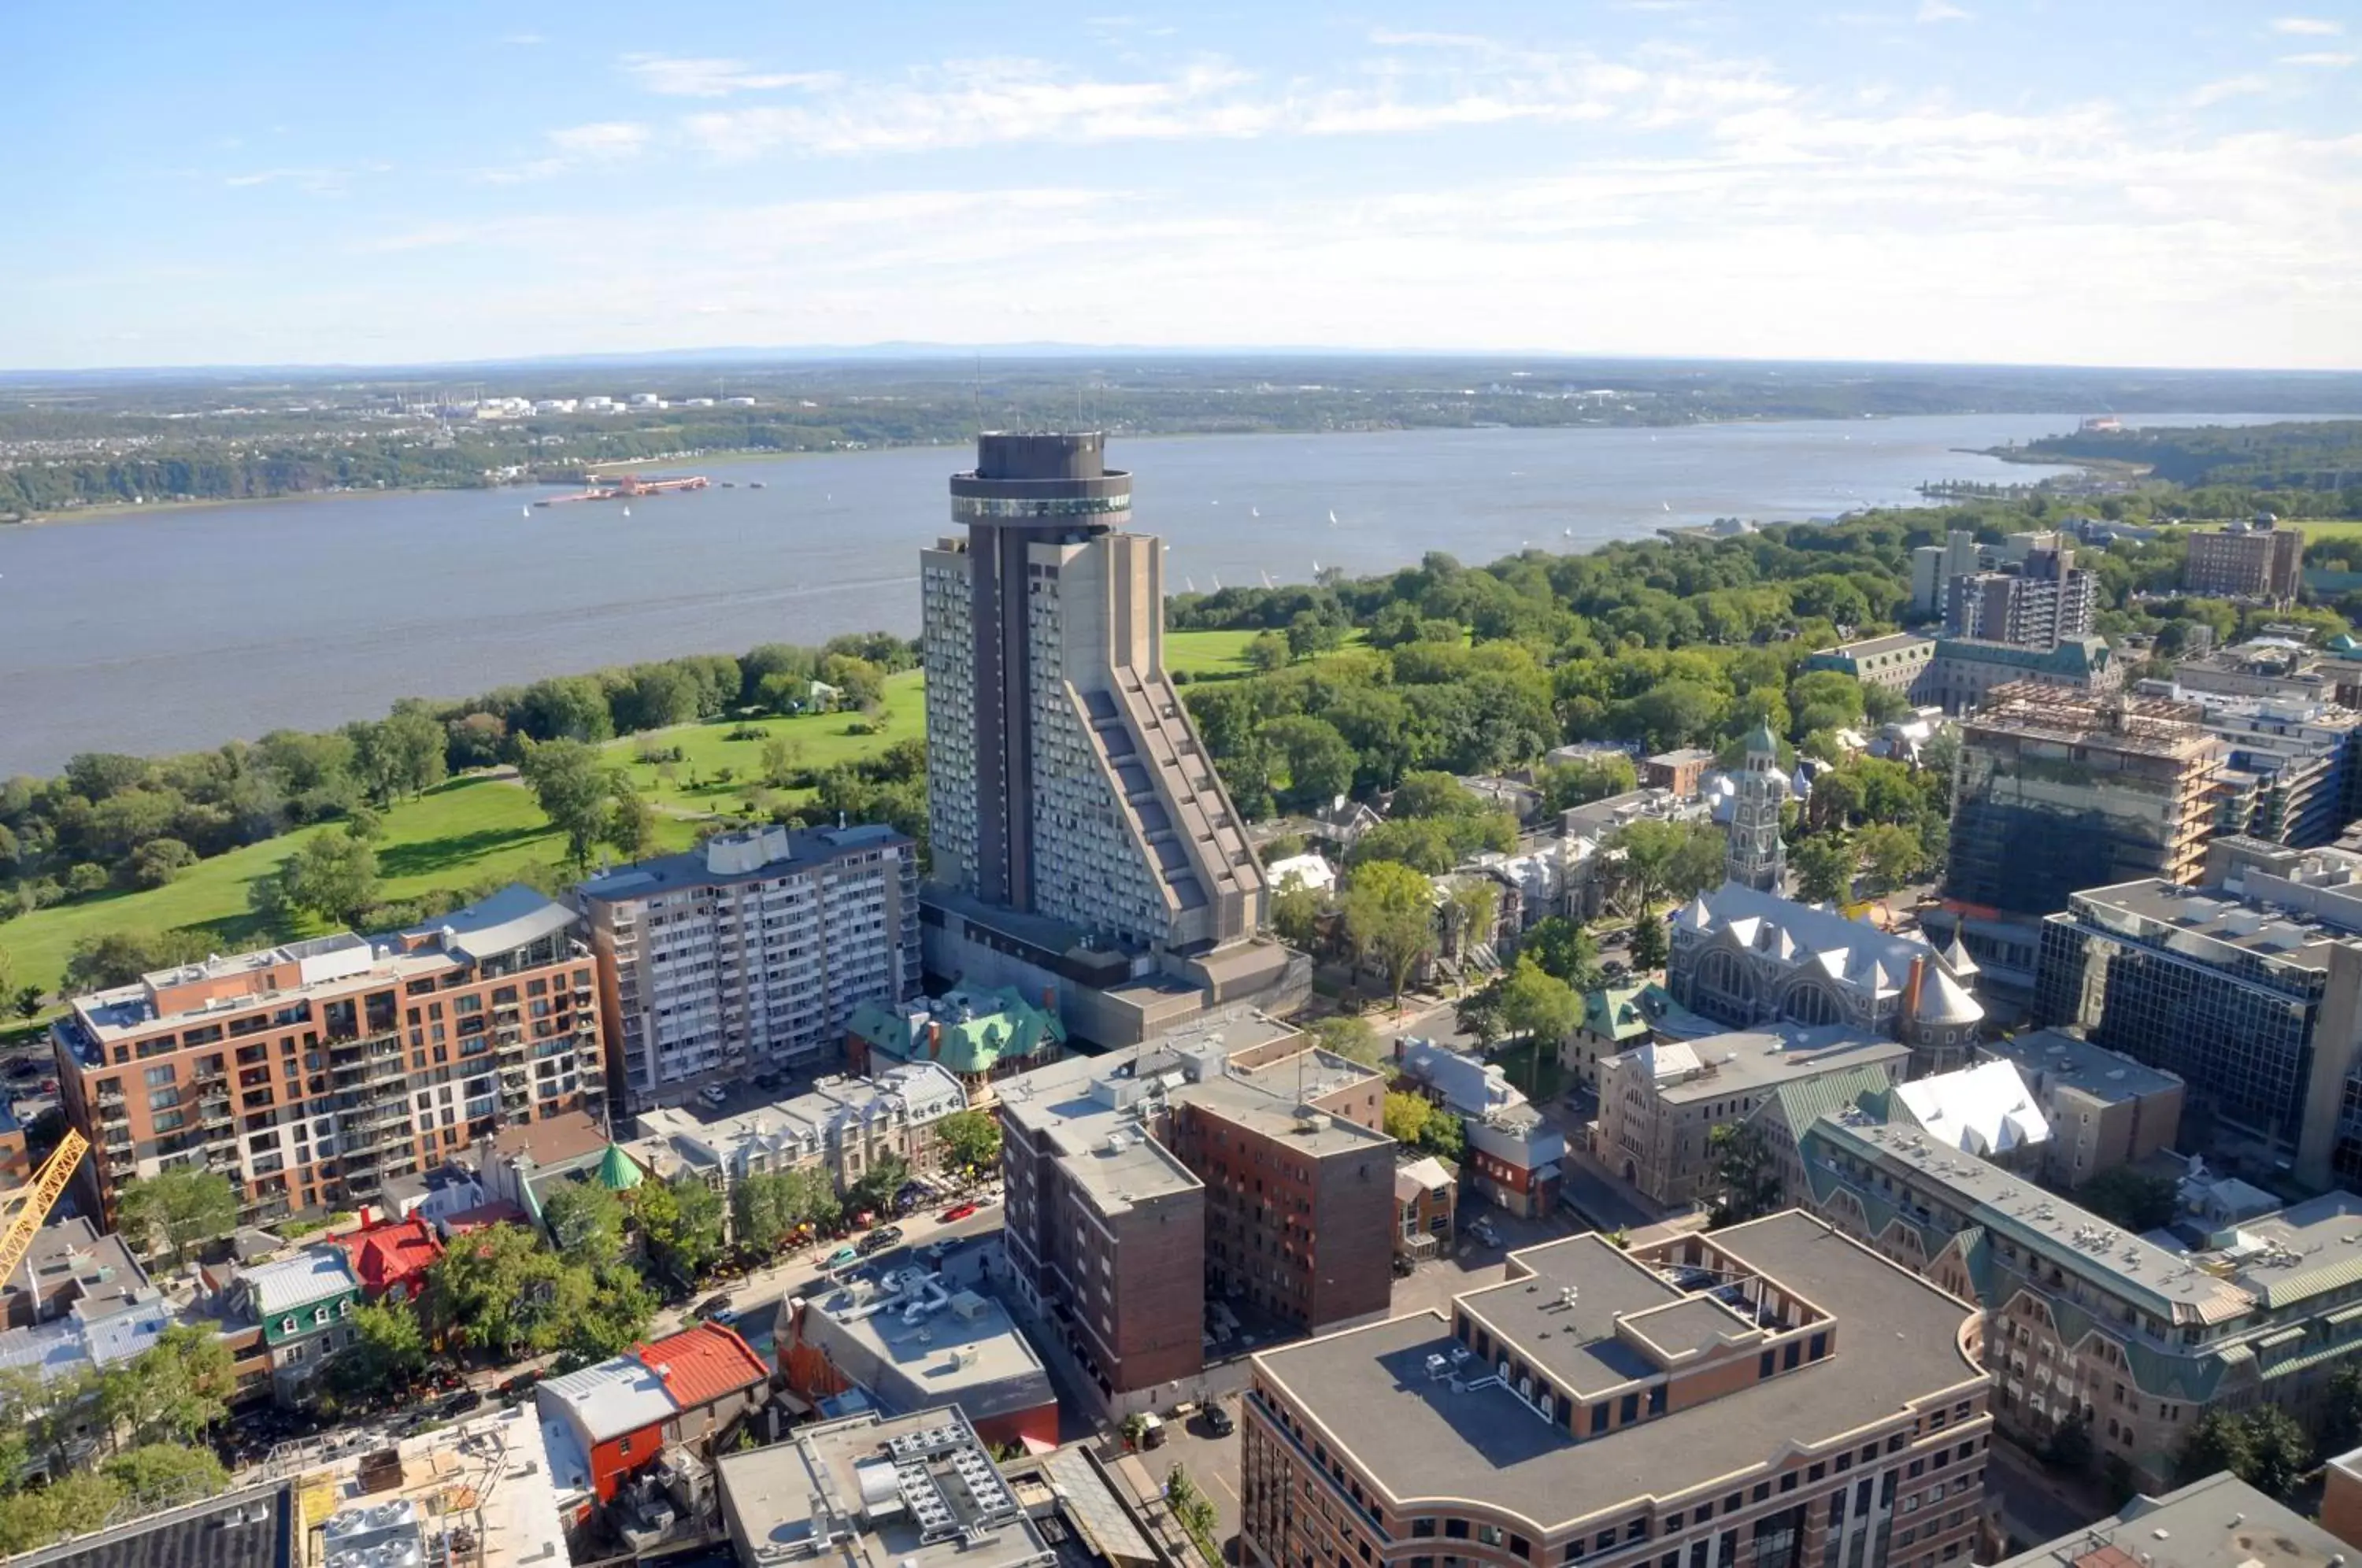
32,1202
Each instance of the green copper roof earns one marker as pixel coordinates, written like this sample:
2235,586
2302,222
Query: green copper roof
1761,739
616,1171
998,1024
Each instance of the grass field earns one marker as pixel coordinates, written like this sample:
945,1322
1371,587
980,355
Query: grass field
462,833
2327,528
475,828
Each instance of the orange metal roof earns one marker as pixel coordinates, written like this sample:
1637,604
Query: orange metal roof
702,1364
390,1254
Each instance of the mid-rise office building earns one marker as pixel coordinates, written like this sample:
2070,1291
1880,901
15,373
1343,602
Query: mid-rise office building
2244,560
1238,1162
2057,791
1080,837
1964,671
1768,1395
312,1072
2037,601
1660,1105
2083,1319
2249,990
750,953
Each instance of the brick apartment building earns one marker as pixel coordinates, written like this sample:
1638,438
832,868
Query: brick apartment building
2243,560
1139,1182
312,1072
1770,1395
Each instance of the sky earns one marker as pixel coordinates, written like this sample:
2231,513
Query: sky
2080,181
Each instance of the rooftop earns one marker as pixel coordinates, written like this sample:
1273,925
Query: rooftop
2219,1522
1372,1395
1984,1109
1765,920
657,1380
2207,925
731,858
915,1492
1744,1060
318,1274
70,1257
2054,1057
253,1526
1893,642
2134,726
2008,1205
915,1343
514,920
673,1136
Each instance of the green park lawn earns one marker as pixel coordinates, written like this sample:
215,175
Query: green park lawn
456,835
475,828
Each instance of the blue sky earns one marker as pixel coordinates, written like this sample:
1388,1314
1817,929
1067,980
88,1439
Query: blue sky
2162,182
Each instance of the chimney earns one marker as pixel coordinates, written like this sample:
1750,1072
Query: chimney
1910,989
935,1041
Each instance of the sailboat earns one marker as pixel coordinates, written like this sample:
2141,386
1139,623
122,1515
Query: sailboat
1316,569
627,511
1254,511
524,511
1217,582
1666,504
1267,578
1332,517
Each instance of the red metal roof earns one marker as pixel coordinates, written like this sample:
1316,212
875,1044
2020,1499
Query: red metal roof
391,1254
702,1364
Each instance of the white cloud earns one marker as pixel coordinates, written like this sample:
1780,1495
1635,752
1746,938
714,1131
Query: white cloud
2308,27
320,181
2319,59
524,40
2229,87
606,138
1941,11
710,78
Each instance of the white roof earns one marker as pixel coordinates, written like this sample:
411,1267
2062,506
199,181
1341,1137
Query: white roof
1984,1109
1427,1173
613,1397
299,1281
1313,871
1941,999
1672,1059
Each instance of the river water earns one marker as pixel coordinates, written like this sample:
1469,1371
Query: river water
181,629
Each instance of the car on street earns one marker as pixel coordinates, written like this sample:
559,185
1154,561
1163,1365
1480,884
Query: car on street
462,1402
937,1251
714,1095
880,1238
841,1258
1486,1235
1219,1421
955,1213
715,1308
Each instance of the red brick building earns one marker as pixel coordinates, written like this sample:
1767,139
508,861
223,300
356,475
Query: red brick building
1770,1395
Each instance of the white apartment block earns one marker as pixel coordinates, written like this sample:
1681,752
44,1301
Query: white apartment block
750,951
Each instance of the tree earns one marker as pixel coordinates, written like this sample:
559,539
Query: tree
332,876
1539,1005
2341,1422
585,1220
1564,949
681,1221
573,788
970,1140
875,1189
1649,950
2068,1445
1565,784
631,822
783,761
1824,865
1351,1038
1194,1511
500,1291
36,1518
1406,1116
172,1392
2265,1447
1750,1187
28,1001
2131,1197
1390,915
387,1353
1314,761
177,1207
1266,651
1296,913
1893,853
1478,1013
1475,903
118,957
155,863
167,1473
1660,858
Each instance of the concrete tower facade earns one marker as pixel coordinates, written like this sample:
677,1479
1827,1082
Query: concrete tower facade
1755,857
1064,778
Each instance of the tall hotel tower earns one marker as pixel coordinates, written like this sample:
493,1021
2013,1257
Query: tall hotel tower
1080,832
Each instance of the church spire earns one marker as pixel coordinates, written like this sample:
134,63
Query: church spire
1755,857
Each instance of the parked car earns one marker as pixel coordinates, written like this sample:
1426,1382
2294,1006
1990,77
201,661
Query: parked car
840,1258
714,1095
880,1238
462,1402
1218,1420
1484,1233
520,1385
957,1211
936,1252
23,1068
715,1308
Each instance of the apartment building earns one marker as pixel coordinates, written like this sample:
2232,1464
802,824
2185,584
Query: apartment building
2056,792
312,1072
2250,991
2292,766
1072,808
1515,1154
2218,1521
749,954
843,1125
2085,1319
1660,1105
2244,560
2039,602
1898,661
1768,1395
1239,1160
2105,1108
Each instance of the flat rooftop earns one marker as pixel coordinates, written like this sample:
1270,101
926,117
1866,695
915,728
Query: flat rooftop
2212,927
2060,1057
1893,642
1370,1393
878,1493
1745,1060
757,856
2078,1239
960,1346
1577,1340
2219,1522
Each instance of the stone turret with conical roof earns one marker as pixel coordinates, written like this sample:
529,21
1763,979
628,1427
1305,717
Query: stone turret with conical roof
1755,857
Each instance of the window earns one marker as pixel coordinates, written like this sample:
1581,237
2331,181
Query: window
1490,1535
1455,1530
1422,1527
